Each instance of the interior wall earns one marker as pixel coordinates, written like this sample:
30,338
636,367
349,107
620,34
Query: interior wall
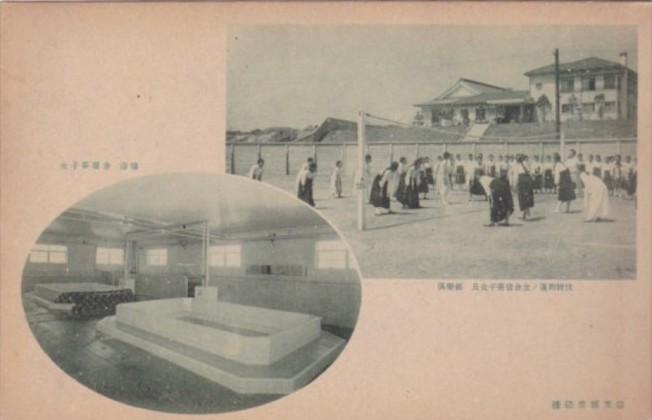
333,294
80,266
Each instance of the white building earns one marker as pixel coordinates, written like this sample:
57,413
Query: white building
590,89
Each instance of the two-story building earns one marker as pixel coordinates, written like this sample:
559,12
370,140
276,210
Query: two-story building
590,89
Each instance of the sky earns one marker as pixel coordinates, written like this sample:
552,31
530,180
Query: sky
299,75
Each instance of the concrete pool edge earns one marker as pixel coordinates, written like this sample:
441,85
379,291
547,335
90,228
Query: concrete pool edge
327,349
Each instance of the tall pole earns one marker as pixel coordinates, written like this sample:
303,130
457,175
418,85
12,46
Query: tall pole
361,182
557,104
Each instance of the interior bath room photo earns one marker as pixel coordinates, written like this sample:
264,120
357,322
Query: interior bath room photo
191,293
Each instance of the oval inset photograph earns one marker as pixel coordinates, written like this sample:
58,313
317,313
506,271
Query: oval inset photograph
191,293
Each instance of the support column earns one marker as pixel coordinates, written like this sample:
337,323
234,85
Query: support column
233,158
361,182
287,159
391,153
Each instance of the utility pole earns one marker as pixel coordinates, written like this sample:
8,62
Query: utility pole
557,104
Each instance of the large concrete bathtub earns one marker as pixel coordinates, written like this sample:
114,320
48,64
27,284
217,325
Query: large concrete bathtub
245,334
245,348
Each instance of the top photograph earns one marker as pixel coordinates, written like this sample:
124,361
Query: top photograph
448,152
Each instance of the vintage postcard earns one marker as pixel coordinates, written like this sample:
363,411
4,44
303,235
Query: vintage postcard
355,210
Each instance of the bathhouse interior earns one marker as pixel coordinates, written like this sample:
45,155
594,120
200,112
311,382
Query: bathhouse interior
191,293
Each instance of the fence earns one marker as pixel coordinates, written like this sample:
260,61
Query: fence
283,159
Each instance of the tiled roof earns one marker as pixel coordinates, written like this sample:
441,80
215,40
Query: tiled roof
516,96
590,63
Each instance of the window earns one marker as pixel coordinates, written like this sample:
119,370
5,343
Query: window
588,108
609,81
109,256
588,83
332,254
567,85
224,256
157,256
539,85
55,254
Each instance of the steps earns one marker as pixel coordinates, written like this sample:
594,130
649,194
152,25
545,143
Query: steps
476,131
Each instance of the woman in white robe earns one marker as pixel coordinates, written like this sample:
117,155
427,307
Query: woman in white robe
596,198
336,180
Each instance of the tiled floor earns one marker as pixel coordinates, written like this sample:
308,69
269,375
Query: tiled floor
127,374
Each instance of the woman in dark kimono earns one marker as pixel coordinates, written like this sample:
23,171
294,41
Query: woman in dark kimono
426,177
565,185
413,180
305,184
476,187
548,175
401,184
460,179
382,183
501,201
524,186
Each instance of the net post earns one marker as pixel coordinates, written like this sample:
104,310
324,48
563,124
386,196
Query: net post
361,181
287,159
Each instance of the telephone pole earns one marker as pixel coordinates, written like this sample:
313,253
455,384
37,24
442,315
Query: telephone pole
557,104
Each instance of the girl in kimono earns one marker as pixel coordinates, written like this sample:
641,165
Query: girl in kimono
475,188
336,180
256,171
564,183
305,184
399,191
427,178
524,186
607,174
305,167
620,183
412,180
460,179
629,169
491,168
501,201
596,198
597,166
382,184
548,175
537,173
444,170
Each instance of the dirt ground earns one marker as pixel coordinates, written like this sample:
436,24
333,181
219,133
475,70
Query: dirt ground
454,242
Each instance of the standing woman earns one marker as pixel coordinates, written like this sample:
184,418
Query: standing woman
548,175
427,178
305,184
444,170
538,174
381,187
607,174
564,183
412,180
524,186
336,180
459,171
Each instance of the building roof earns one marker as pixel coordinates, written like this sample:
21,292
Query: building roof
585,64
496,97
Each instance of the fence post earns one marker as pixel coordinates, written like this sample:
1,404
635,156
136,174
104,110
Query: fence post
233,158
506,148
416,150
541,150
259,151
314,152
391,153
578,146
619,146
562,144
474,149
445,147
287,159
